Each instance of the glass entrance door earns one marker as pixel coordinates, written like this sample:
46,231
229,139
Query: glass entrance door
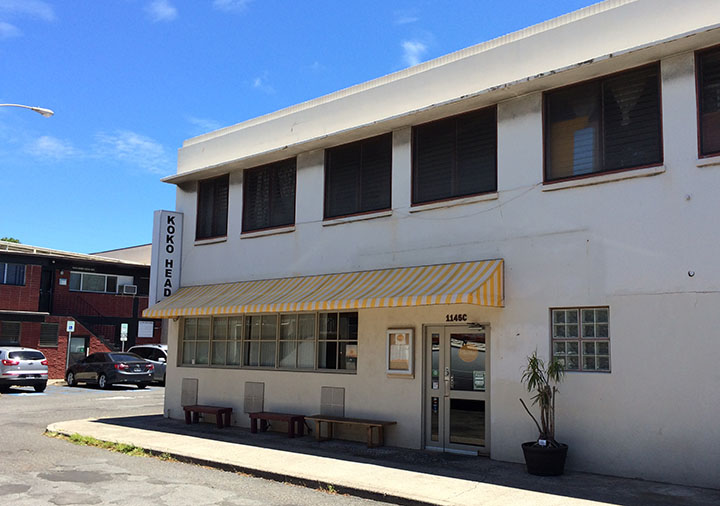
457,390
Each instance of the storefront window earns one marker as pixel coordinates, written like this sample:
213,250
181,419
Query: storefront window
305,341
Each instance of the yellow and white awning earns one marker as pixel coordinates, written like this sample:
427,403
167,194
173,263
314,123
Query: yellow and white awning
479,283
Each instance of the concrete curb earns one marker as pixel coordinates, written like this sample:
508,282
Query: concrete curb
358,479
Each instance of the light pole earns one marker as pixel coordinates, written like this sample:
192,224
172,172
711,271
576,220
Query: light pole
40,110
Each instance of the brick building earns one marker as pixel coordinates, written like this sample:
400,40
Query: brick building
41,289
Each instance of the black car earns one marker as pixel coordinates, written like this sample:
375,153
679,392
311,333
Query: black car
105,369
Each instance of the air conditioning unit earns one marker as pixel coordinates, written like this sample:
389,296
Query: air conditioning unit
129,289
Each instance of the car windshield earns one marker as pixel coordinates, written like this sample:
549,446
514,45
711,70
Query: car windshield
124,357
26,355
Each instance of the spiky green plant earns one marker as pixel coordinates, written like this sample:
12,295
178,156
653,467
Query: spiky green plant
543,380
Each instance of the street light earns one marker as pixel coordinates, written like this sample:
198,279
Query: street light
40,110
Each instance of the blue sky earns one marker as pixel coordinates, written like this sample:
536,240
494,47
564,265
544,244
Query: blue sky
129,80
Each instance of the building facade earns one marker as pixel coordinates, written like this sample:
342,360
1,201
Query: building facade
397,249
41,289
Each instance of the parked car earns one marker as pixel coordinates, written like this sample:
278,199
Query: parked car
110,368
155,353
22,367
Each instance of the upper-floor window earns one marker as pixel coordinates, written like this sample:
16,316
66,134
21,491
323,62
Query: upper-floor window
455,157
269,196
603,125
358,177
708,87
12,274
212,208
99,283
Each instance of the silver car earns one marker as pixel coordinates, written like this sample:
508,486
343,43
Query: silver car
22,367
155,353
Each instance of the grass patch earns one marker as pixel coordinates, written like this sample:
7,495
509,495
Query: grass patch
127,449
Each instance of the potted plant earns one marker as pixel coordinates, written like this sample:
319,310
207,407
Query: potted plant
544,457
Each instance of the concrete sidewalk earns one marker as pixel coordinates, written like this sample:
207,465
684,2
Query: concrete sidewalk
388,474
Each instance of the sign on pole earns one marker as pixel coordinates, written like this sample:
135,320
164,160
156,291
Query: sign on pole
70,326
166,255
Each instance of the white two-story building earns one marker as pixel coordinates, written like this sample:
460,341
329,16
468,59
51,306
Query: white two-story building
395,250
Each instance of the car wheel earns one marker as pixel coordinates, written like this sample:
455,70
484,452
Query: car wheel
70,379
40,388
102,381
4,389
142,385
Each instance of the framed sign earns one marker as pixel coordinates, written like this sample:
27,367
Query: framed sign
399,352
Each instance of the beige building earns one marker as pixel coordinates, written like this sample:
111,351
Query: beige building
397,249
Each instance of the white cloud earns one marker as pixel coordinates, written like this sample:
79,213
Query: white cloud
33,8
7,30
204,125
161,10
405,17
231,5
136,149
413,51
260,83
51,147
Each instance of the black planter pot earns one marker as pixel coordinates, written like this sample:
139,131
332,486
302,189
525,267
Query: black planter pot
544,460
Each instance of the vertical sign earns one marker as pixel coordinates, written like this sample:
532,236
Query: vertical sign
166,255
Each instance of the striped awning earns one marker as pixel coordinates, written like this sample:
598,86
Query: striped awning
478,283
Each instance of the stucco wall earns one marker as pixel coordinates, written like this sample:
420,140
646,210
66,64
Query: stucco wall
627,244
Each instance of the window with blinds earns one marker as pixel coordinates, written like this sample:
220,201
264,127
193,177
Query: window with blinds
12,274
269,196
603,125
358,177
455,157
212,210
708,86
48,335
10,332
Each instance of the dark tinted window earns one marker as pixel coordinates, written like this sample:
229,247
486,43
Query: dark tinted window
455,157
26,355
269,196
48,334
95,357
12,274
212,207
358,176
124,357
603,125
142,352
708,75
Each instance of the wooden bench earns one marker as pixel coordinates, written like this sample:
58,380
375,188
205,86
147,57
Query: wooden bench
330,421
291,419
194,410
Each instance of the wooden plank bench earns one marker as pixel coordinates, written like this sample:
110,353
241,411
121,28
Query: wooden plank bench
193,411
330,421
291,419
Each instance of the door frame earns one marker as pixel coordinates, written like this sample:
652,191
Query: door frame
445,446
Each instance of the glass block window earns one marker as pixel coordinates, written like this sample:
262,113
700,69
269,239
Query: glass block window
581,338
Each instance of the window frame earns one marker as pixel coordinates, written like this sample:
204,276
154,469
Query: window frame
359,177
414,157
4,273
546,119
106,276
699,100
212,181
581,339
244,343
273,167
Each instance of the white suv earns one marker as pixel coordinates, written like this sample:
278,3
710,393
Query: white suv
22,367
155,353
